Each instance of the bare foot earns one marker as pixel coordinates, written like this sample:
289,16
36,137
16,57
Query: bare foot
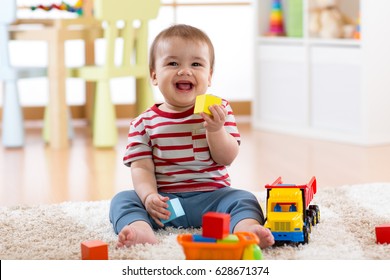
264,234
138,232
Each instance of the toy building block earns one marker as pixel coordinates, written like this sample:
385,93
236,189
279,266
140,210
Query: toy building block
94,250
215,225
382,233
252,252
174,206
204,101
231,238
200,238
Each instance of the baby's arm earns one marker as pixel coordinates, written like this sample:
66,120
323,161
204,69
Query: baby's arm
144,180
223,146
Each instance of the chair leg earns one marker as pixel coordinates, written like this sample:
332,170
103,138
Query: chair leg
46,125
144,95
13,123
105,132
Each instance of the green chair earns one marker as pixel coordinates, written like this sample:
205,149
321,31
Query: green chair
125,24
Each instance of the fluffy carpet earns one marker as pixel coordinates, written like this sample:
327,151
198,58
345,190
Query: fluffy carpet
349,215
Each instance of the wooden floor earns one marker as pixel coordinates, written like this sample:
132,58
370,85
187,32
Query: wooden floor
36,174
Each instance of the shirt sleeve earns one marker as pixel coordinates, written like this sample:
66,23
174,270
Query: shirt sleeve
230,123
138,144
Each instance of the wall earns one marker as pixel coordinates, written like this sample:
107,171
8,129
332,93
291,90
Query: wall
229,27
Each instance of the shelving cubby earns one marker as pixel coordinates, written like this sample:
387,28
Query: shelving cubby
336,89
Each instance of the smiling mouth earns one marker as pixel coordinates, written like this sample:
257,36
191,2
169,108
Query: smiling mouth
184,86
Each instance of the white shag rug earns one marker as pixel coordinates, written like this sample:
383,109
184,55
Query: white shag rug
349,215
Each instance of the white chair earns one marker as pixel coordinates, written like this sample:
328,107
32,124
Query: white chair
13,127
12,119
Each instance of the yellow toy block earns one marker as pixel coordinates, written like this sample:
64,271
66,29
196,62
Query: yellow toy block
204,101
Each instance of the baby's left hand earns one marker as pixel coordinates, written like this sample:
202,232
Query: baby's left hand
217,120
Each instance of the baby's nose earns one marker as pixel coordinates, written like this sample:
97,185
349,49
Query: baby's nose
184,71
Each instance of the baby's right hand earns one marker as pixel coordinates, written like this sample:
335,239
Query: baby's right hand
156,206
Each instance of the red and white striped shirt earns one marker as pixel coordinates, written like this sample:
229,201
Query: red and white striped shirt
177,144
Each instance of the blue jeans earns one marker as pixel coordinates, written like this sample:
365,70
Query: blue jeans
126,208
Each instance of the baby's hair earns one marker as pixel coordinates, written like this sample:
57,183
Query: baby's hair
183,31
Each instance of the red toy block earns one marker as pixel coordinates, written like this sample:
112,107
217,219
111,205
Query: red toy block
382,234
215,225
94,250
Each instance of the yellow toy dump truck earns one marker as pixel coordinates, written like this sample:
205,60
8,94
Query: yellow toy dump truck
290,216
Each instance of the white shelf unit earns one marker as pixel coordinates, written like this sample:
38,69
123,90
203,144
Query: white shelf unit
332,89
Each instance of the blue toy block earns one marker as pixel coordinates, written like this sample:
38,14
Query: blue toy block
174,206
200,238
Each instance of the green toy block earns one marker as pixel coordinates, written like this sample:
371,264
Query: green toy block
231,238
252,252
204,101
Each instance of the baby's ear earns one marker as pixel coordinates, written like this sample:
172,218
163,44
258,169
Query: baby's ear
210,77
153,78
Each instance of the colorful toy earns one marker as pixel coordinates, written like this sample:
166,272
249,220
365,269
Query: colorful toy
382,233
174,206
237,246
252,252
215,225
276,26
289,213
356,34
204,101
77,8
221,251
94,250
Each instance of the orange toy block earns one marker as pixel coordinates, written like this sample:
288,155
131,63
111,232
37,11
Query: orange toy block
94,250
215,225
204,101
382,233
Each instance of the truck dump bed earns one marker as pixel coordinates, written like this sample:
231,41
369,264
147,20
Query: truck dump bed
309,189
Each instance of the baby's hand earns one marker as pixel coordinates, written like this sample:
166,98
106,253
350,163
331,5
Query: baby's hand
217,120
156,206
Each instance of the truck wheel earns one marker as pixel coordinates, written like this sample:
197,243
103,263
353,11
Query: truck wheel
311,213
314,217
318,212
308,222
318,215
306,235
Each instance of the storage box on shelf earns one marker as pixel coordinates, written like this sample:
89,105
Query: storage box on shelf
328,88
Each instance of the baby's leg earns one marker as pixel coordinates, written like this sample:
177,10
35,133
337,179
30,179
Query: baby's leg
251,225
138,232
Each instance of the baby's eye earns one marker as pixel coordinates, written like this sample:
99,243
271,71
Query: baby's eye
172,63
196,64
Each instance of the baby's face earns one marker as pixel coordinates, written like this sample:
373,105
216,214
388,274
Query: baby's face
182,72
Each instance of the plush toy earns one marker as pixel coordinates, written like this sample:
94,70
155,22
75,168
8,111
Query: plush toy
327,21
